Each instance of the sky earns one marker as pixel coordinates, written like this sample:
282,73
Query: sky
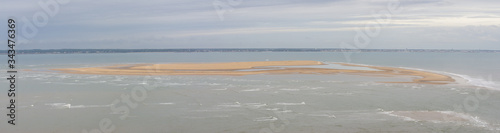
160,24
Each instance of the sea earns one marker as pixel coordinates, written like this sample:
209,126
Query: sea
48,101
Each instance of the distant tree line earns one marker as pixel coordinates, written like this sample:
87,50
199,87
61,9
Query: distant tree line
75,51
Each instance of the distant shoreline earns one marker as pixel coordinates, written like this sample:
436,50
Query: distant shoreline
204,50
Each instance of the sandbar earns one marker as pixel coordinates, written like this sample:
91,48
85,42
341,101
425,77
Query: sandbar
259,67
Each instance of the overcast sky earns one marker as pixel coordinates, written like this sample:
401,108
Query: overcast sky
433,24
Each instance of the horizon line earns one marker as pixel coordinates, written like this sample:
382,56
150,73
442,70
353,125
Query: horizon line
253,48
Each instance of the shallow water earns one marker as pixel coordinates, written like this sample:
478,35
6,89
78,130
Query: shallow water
57,102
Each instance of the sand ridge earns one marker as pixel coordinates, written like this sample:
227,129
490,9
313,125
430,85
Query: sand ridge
259,67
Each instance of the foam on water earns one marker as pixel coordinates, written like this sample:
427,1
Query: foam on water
214,84
70,106
252,89
439,117
270,118
230,105
479,82
285,111
242,105
121,84
290,89
207,117
59,105
344,94
322,93
173,84
473,119
273,109
323,115
302,103
167,103
215,110
460,78
89,106
402,117
220,89
98,82
255,105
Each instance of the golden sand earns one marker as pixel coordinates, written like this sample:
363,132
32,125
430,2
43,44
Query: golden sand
262,67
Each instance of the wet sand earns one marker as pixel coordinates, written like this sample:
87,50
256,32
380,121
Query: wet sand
262,67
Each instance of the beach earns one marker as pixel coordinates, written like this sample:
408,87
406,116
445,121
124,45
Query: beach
260,67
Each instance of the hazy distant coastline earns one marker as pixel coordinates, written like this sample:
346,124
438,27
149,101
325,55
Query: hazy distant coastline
77,51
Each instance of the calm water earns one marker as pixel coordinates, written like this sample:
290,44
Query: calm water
55,102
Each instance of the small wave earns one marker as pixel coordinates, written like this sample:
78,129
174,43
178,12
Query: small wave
94,76
480,82
97,82
322,93
69,83
273,109
70,106
59,105
63,76
439,117
251,90
255,105
270,118
206,117
232,106
214,84
302,103
220,89
169,103
286,111
331,81
236,104
215,110
175,84
315,88
290,89
166,103
468,79
323,115
89,106
121,84
344,94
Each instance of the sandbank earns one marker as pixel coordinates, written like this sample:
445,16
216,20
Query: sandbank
259,67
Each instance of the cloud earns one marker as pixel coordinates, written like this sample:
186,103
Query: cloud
160,23
257,31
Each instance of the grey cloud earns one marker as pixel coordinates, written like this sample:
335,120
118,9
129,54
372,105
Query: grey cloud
275,23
